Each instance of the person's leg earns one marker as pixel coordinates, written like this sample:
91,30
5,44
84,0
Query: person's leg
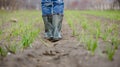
58,9
47,18
48,27
57,24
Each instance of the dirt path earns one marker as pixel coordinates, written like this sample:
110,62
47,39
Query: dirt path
65,53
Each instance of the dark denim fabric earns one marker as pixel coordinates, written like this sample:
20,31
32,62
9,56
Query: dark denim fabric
50,7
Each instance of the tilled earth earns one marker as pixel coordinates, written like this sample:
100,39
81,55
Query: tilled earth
67,52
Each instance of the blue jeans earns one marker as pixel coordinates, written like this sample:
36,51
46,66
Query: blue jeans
50,7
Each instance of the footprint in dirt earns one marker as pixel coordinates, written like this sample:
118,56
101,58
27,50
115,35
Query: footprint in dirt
50,53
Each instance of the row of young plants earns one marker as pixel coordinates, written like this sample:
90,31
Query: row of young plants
93,31
21,33
110,14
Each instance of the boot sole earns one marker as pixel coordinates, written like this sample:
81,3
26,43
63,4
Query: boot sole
55,40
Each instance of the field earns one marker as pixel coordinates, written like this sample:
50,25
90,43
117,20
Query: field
90,39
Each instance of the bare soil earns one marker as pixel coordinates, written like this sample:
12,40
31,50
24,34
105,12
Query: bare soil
67,52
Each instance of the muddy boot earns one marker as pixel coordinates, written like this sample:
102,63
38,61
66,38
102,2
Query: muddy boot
57,23
48,27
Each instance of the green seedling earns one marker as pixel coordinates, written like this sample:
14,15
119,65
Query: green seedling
98,24
84,24
105,36
91,45
12,48
29,37
26,40
3,52
1,32
110,53
98,33
16,32
88,44
74,31
82,37
94,29
110,29
115,42
24,30
70,23
114,15
94,46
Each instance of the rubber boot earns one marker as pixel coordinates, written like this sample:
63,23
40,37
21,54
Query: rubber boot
48,27
57,24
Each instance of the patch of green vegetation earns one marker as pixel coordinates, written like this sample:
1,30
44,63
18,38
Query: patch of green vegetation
104,36
21,30
91,44
72,26
112,14
110,52
3,51
1,32
12,48
93,31
115,42
71,23
28,38
84,24
25,28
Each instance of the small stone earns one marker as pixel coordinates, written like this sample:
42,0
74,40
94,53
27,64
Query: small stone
9,53
14,20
